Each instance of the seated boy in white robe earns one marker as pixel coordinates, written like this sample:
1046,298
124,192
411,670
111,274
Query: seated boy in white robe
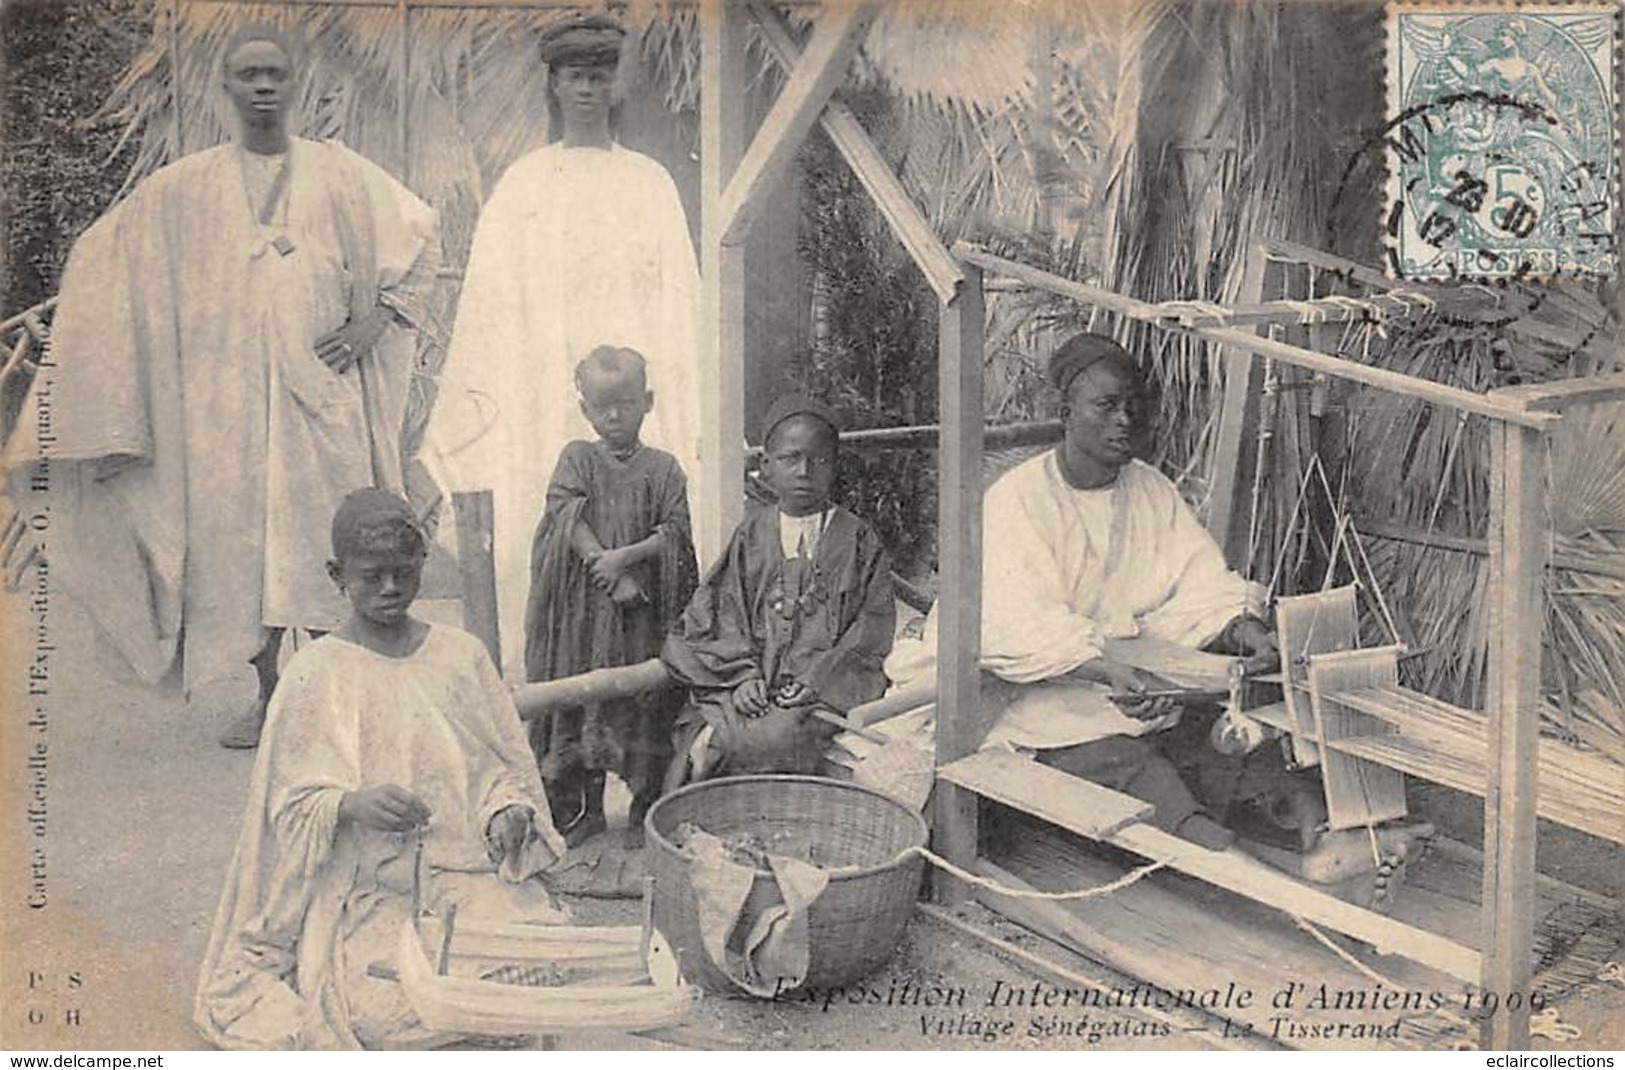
385,734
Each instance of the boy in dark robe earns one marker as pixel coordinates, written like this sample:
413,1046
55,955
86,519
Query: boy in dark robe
796,615
612,565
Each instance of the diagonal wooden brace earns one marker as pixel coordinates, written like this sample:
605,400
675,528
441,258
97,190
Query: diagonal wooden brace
835,38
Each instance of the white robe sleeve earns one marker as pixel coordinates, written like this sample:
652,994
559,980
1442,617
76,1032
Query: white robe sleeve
1029,631
512,779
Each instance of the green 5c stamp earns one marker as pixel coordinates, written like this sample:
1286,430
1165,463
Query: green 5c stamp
1502,160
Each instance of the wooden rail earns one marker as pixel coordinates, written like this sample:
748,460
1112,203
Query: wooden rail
1382,378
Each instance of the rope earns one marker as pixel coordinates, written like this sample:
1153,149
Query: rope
1133,876
1332,945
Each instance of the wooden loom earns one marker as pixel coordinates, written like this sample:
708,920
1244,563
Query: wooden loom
1345,709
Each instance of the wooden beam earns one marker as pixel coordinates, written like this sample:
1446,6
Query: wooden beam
1490,405
1177,1019
475,5
1294,253
473,512
836,36
1555,397
1075,804
929,436
536,700
1517,549
1592,566
1265,884
959,600
722,274
927,251
1233,461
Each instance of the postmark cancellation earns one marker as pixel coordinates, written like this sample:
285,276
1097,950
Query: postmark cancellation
1501,142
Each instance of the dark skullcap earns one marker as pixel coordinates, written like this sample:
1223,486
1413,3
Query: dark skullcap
582,41
253,30
788,405
1083,351
367,514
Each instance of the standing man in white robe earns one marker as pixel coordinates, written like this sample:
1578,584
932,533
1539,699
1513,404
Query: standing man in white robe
230,356
582,244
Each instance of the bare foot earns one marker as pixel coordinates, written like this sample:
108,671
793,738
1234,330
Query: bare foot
1338,856
1376,890
244,732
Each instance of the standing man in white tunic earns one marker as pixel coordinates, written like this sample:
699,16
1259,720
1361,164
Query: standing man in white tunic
231,356
583,243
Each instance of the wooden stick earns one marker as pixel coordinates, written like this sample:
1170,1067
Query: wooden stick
598,685
21,318
831,717
837,33
870,167
1598,566
473,511
445,939
901,701
1369,375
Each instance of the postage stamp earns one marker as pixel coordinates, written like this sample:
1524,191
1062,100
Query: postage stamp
1501,148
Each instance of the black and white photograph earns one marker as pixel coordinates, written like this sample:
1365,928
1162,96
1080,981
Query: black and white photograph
806,525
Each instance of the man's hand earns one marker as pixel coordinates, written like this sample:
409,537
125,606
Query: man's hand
750,697
608,568
387,808
1252,639
340,349
1127,680
507,832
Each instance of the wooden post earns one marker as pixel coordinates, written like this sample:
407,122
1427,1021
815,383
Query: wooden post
1233,462
175,126
403,91
477,568
1517,559
959,597
722,274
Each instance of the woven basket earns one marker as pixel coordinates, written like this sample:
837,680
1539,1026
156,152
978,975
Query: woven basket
858,920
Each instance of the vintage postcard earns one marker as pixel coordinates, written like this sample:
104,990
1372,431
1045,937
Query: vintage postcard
861,524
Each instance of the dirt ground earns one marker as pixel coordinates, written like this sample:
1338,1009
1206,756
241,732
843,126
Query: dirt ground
142,813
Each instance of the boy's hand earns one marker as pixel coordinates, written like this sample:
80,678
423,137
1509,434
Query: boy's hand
750,697
608,567
387,808
507,832
626,591
793,694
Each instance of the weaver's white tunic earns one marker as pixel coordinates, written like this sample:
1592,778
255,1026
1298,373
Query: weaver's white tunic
1066,569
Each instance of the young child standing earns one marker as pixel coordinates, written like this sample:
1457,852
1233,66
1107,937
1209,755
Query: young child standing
797,614
612,565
